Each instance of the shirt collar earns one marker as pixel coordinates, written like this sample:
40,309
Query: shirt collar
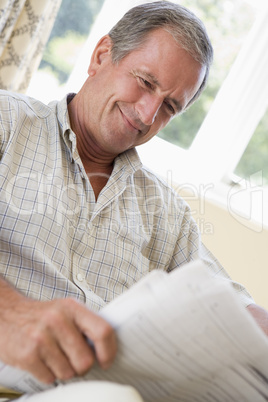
128,160
66,132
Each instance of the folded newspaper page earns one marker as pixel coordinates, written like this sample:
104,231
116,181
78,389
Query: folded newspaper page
182,336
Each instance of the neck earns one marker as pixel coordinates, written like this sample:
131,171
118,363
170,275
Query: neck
98,169
92,160
98,165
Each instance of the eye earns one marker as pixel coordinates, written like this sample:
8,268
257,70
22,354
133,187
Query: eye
146,83
170,108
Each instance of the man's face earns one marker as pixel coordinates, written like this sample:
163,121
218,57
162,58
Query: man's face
131,101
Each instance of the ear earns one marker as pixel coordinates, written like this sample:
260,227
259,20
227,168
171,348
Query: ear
101,53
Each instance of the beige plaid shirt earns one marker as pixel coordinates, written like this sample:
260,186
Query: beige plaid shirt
55,240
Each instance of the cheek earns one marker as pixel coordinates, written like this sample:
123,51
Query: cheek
161,121
127,89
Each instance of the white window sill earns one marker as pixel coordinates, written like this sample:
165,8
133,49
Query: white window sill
245,201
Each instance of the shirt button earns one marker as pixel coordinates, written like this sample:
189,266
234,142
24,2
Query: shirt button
80,277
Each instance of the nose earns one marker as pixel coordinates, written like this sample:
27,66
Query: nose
148,107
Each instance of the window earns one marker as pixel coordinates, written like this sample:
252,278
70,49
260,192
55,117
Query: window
227,33
205,144
69,34
253,164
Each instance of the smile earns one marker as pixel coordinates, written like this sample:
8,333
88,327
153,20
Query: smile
130,124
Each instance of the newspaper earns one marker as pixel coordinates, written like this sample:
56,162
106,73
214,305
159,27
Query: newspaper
182,336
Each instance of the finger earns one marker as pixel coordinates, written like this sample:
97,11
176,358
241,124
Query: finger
29,356
100,333
57,361
105,349
41,372
73,344
31,361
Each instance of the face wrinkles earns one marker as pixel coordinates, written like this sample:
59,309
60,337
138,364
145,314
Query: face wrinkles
131,101
133,118
147,82
154,84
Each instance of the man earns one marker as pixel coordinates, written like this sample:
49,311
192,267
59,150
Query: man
81,218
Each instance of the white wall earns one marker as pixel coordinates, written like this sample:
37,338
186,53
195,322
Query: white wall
241,246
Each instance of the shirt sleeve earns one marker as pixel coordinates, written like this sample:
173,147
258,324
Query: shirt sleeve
8,119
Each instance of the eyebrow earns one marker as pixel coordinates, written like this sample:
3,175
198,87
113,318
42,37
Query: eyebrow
155,81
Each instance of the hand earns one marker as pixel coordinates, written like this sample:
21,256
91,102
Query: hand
48,339
260,315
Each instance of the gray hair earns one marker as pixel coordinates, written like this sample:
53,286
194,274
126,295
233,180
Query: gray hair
187,30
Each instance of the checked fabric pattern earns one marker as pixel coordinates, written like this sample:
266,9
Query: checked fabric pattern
56,240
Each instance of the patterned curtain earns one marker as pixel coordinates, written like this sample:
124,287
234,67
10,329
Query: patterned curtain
25,26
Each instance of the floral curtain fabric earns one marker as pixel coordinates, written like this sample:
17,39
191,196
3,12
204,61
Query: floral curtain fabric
25,26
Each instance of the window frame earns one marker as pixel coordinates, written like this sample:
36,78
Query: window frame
224,134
